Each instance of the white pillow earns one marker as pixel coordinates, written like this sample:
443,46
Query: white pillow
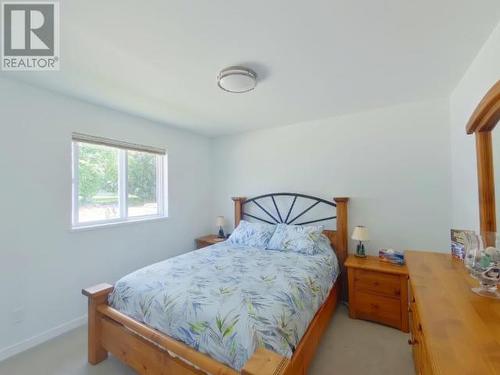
252,234
301,239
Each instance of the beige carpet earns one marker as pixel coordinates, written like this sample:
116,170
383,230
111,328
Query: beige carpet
348,347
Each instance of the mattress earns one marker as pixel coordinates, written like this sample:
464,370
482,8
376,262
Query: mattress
227,300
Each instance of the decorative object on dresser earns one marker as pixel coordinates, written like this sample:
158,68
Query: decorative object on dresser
483,262
220,223
208,240
458,241
453,331
378,291
360,233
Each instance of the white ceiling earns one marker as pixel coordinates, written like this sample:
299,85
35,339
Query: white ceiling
159,58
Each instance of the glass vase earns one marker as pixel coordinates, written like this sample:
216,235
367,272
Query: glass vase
482,259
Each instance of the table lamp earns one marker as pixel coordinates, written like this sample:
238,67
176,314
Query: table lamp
220,223
360,234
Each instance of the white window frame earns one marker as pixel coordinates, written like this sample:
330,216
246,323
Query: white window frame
161,189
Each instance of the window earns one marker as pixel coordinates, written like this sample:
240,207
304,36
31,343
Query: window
116,182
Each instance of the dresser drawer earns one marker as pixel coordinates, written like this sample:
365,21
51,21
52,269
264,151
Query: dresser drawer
417,340
377,282
378,308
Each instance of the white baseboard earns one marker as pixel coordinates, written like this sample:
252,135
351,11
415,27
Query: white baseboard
41,338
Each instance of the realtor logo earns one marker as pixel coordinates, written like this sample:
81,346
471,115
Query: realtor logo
30,36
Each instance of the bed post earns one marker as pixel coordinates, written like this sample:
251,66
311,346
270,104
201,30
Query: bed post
238,209
342,229
97,295
342,243
264,361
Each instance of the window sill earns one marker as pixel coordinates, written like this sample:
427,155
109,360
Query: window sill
81,228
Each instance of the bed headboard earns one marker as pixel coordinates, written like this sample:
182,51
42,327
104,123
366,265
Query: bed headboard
272,214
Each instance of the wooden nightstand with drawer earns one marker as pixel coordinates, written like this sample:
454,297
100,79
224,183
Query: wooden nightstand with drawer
378,291
208,240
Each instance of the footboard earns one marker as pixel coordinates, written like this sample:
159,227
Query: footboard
148,351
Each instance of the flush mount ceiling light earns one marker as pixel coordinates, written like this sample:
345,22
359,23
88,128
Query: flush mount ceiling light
237,79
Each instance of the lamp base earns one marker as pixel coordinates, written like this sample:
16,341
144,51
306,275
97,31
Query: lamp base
360,250
221,233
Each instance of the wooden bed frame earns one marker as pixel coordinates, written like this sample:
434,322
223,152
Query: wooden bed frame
149,351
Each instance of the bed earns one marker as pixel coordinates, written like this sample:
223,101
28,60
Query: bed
226,309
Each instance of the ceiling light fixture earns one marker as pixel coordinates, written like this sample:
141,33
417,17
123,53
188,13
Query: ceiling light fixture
237,79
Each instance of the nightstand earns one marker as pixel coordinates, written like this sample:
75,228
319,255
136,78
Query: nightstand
205,241
378,291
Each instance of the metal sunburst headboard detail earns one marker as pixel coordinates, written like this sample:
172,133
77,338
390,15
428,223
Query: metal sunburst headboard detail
266,208
278,217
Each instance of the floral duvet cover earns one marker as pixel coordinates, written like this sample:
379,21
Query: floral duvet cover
226,300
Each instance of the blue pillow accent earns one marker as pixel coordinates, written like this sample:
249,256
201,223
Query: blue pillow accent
301,239
324,246
252,234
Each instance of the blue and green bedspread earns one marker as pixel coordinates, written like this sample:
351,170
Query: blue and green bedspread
226,300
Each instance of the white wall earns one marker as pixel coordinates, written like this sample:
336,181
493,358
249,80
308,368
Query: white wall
43,265
481,75
392,162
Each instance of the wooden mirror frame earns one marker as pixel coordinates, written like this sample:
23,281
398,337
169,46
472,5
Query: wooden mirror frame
482,122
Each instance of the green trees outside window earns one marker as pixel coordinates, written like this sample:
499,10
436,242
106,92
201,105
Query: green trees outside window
107,173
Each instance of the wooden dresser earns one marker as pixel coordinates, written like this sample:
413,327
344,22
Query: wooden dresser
452,330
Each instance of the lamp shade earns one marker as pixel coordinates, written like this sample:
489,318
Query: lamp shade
360,233
219,221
